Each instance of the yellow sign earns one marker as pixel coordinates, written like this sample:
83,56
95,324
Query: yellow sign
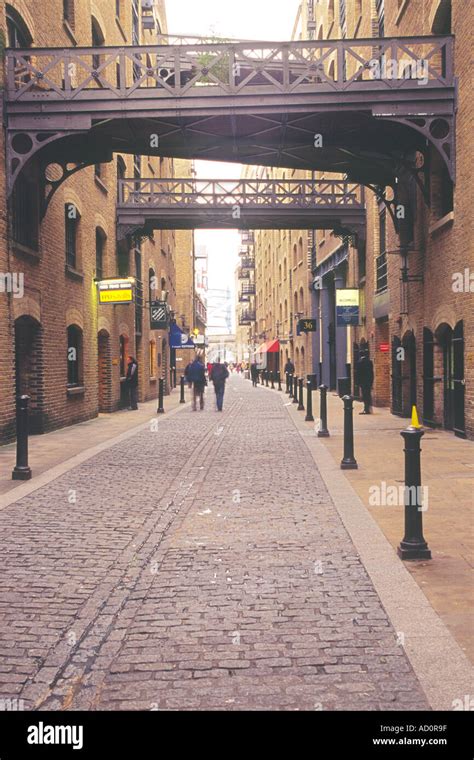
347,297
115,291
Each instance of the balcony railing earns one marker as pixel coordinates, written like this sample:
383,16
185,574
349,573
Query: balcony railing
246,291
247,262
247,317
284,67
243,273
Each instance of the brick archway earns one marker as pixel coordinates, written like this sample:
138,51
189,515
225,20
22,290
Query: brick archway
29,368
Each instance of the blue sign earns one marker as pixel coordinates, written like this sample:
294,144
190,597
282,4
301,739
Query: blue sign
179,339
347,315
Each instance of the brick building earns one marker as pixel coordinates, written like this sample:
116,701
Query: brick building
58,345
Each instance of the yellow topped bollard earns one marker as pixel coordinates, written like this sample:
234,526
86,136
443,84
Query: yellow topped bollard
415,423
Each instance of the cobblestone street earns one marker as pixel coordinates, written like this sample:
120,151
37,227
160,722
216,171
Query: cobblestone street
171,572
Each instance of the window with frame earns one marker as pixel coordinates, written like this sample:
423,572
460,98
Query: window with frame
74,356
68,12
25,212
71,234
100,239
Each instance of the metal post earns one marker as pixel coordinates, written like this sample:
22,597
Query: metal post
413,545
181,399
348,462
309,401
300,399
272,374
21,471
266,378
287,389
323,431
290,385
161,390
295,389
279,380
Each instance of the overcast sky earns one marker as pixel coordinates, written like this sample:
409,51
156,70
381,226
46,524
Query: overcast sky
242,19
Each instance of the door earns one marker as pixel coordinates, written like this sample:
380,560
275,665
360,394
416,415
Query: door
396,376
428,377
458,381
448,379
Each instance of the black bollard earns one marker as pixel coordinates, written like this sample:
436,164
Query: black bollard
266,378
287,379
161,390
273,380
323,431
279,380
290,385
413,545
309,402
21,471
295,389
181,399
348,462
300,399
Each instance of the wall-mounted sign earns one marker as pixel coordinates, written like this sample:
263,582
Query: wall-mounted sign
159,315
347,307
306,326
384,347
115,291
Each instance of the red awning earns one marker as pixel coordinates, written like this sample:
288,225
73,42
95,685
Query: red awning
273,346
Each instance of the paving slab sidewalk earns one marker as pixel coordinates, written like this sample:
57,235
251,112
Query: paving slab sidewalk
447,466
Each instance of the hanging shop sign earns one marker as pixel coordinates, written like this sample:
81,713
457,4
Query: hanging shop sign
306,326
115,291
347,307
159,315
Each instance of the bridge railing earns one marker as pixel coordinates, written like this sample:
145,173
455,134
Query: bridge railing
185,193
88,73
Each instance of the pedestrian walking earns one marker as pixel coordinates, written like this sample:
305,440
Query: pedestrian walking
196,375
219,374
254,374
132,382
289,367
365,380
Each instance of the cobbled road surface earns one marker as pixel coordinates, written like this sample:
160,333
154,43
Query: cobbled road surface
198,565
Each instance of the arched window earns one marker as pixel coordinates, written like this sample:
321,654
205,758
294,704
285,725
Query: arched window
300,249
286,309
285,267
72,217
295,301
74,356
17,31
25,209
68,12
295,255
100,240
302,307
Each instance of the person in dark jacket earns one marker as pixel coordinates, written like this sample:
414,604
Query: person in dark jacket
365,380
219,374
196,374
254,374
132,382
289,367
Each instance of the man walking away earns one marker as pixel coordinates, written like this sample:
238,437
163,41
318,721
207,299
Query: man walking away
365,380
196,374
219,374
132,382
254,374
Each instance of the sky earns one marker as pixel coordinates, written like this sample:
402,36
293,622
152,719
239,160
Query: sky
240,19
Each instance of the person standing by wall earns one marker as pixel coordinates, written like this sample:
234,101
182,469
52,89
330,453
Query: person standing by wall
365,379
219,374
132,382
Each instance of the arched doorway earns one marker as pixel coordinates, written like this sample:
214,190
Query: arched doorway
458,380
409,374
29,377
396,375
104,371
428,377
444,336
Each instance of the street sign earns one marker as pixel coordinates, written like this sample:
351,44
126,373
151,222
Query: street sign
384,347
307,325
347,307
159,315
115,291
